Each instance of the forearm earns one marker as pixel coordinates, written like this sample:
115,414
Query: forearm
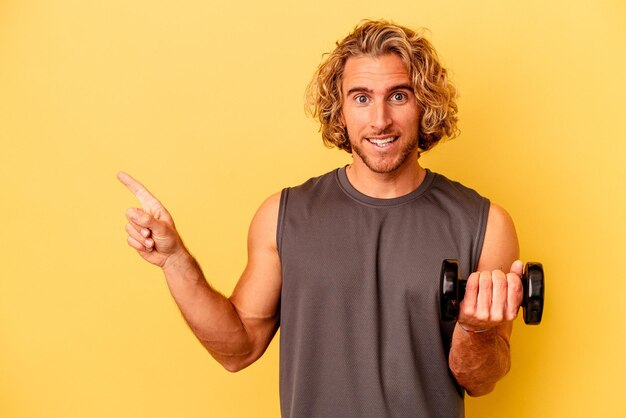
235,331
492,300
479,360
210,315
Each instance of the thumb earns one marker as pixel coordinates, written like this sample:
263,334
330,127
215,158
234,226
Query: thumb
517,267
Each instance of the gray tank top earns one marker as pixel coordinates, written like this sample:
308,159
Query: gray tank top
360,334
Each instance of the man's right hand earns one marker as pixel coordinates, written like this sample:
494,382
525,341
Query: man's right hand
151,230
236,330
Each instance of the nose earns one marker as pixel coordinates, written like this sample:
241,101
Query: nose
380,117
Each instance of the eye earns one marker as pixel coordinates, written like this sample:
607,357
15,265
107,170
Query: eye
398,96
361,99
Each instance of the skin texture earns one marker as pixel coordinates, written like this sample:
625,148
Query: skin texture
492,300
237,330
378,104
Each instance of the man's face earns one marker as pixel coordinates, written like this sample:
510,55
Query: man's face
380,112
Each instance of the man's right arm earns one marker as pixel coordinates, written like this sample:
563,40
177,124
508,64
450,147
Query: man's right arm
237,330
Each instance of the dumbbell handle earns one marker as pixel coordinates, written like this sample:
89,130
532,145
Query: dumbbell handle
453,291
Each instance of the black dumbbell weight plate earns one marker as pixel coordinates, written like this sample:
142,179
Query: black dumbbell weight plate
449,290
534,289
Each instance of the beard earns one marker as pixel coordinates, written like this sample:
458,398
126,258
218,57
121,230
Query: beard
384,162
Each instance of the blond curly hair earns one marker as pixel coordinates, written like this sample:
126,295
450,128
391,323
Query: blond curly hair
434,91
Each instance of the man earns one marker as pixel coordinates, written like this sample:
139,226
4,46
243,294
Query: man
348,263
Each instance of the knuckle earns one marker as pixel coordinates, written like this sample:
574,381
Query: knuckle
499,275
511,316
481,316
499,272
467,311
497,316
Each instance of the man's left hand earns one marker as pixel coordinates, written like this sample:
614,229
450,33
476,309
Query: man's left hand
491,298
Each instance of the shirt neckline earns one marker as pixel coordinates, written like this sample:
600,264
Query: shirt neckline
349,189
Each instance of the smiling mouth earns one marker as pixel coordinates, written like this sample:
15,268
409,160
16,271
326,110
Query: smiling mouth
382,142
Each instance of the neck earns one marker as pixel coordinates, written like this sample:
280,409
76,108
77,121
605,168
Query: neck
386,185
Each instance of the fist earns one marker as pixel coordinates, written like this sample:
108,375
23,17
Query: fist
491,298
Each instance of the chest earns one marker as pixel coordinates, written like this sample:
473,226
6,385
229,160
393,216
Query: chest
392,255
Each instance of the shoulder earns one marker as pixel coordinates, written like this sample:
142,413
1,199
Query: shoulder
298,200
315,182
268,209
270,204
454,197
500,225
499,219
264,223
455,188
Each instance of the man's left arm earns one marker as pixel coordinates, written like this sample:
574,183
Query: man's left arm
480,355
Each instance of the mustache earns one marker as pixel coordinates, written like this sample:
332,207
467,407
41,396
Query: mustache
381,133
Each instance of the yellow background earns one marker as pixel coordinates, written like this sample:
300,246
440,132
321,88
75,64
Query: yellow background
203,102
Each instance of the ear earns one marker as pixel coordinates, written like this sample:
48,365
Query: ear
341,119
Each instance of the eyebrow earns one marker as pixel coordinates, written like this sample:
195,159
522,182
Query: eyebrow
359,89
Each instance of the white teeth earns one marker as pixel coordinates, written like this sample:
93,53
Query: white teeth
382,142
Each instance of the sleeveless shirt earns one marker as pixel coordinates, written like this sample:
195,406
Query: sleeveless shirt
360,333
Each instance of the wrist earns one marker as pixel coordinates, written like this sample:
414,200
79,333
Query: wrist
180,260
473,330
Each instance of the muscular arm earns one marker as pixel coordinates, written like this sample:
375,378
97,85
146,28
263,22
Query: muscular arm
237,330
491,303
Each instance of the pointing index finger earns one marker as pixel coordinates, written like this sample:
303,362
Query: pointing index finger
147,199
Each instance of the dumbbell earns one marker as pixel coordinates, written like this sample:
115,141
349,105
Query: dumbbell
453,291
